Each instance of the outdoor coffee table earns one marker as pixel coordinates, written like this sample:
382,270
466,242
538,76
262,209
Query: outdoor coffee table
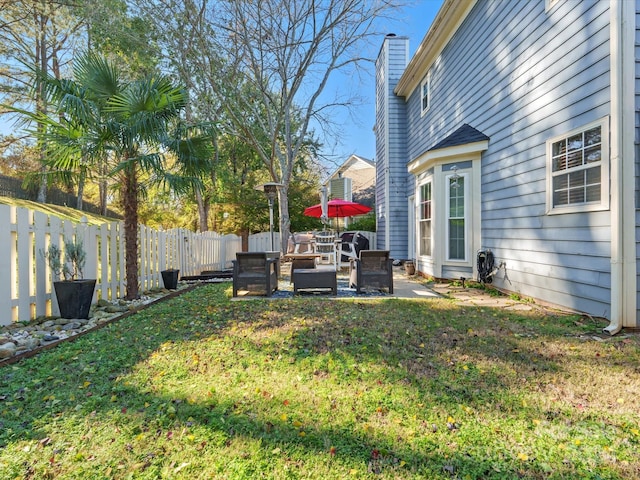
314,279
301,256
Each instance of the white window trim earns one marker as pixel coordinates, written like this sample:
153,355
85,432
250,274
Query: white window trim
436,165
467,220
603,123
420,219
425,81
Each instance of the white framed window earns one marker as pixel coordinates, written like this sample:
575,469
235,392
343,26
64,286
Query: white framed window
457,217
425,93
578,170
426,196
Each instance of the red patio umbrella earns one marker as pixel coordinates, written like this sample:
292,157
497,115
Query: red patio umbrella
338,209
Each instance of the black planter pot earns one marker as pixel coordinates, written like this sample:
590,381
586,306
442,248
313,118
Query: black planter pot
74,297
170,279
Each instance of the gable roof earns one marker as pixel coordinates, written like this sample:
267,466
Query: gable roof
464,140
353,161
463,135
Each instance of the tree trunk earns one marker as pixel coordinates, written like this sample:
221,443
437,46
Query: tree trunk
80,193
285,220
203,211
41,104
102,187
244,235
42,189
130,204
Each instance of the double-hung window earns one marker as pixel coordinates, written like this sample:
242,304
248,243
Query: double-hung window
577,170
425,93
456,217
425,219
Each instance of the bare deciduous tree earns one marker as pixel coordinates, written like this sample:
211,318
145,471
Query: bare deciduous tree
35,36
286,52
258,69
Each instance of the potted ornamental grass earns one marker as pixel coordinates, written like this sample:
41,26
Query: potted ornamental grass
73,292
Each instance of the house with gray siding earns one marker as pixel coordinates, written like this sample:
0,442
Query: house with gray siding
393,182
516,144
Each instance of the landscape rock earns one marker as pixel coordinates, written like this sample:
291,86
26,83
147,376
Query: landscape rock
19,338
7,350
29,343
71,326
116,308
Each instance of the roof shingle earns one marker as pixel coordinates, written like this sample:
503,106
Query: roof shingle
463,135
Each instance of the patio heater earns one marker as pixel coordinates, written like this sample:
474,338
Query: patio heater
270,190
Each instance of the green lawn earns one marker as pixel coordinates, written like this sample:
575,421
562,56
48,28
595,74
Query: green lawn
202,387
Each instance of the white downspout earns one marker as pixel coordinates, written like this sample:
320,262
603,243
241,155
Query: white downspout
623,259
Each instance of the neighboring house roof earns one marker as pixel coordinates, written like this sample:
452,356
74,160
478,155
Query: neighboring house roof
360,170
354,180
354,162
462,136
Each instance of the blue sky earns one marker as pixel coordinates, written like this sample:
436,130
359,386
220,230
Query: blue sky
355,134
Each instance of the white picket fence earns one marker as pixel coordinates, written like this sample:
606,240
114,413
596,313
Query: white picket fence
26,280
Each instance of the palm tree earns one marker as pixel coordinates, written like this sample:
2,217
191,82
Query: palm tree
135,126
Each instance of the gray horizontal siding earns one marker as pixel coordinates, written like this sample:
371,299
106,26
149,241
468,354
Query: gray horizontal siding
545,237
494,97
391,172
382,95
522,86
457,272
580,296
550,264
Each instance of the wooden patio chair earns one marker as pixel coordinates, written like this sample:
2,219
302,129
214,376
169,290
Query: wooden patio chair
255,272
372,268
